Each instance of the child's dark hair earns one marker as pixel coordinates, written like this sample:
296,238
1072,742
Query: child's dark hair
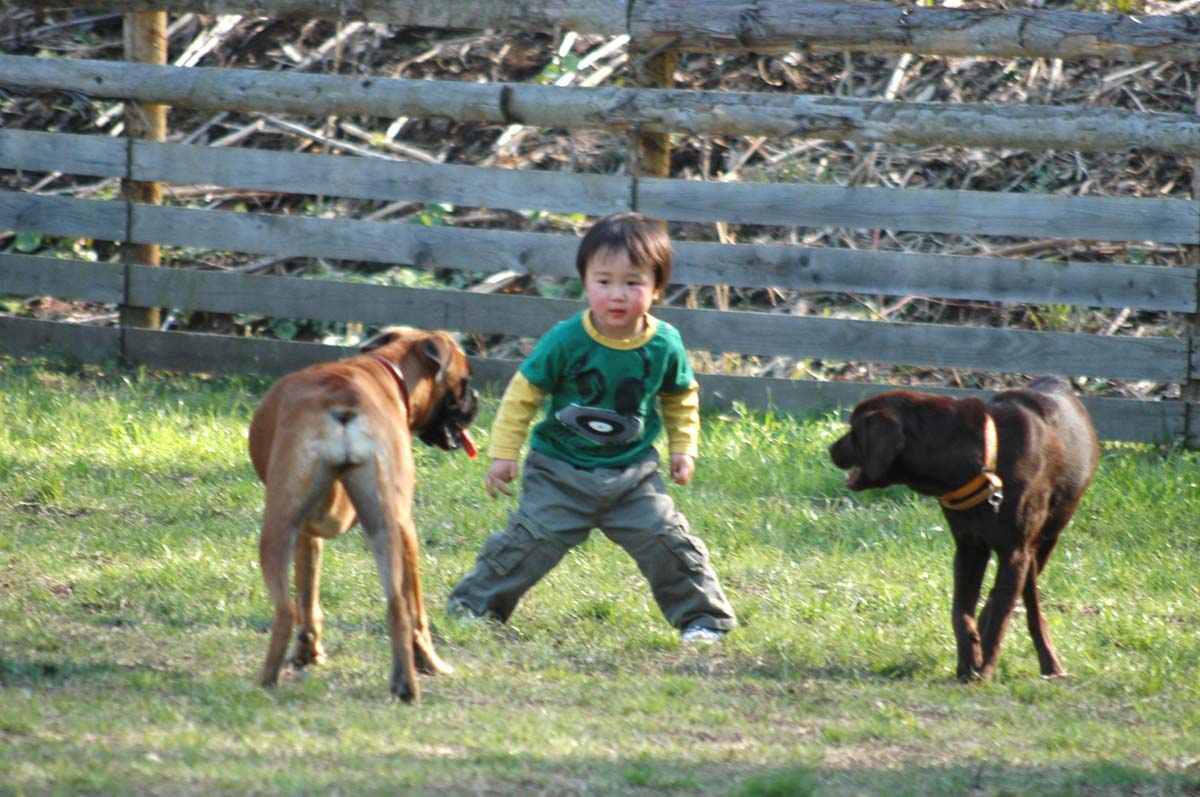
644,240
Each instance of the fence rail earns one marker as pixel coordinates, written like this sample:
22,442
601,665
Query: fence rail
659,110
1150,358
762,26
1115,419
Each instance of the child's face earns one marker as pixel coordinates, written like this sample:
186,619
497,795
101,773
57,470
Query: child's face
619,294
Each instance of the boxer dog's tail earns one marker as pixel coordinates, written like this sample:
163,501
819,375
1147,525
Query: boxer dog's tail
347,442
343,415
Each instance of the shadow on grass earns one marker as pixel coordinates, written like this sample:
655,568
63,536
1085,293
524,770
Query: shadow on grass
17,673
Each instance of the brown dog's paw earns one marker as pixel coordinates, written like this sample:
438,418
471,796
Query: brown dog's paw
308,651
972,677
430,663
1056,676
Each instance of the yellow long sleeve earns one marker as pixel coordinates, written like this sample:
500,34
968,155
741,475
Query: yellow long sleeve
681,416
517,409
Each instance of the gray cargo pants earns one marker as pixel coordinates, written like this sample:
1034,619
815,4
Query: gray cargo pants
560,505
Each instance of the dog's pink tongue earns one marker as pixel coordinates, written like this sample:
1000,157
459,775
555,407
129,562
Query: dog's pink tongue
469,444
852,477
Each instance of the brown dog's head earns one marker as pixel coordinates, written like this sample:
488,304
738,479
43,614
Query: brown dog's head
873,444
453,403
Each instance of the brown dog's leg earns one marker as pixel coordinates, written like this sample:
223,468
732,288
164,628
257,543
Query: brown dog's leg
274,554
970,563
380,523
404,671
1047,658
399,614
427,659
308,600
1038,630
1011,574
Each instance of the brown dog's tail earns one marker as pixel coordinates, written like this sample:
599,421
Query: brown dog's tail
343,414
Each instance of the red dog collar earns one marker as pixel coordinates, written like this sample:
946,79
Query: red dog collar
987,486
398,375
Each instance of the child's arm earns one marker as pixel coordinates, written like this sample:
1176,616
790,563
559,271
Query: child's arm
681,416
517,407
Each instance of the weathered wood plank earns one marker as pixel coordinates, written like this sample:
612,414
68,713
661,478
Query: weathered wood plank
378,242
327,300
819,270
1159,422
38,151
531,15
224,354
761,26
922,210
1019,351
390,180
64,216
328,175
782,26
1007,350
29,275
656,110
1036,127
253,90
1115,419
944,276
25,337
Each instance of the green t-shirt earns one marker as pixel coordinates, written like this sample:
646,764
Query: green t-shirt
602,392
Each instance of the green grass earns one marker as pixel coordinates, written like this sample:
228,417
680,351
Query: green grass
133,621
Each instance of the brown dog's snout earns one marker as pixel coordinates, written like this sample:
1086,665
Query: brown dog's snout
470,405
455,414
840,453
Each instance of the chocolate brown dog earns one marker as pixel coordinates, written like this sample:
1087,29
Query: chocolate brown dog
334,442
1009,474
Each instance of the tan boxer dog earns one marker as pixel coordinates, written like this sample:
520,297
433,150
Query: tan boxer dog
333,443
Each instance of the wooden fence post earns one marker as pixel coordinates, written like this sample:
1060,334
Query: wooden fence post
145,42
1191,389
650,153
1190,392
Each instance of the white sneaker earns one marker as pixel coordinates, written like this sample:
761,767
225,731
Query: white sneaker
701,635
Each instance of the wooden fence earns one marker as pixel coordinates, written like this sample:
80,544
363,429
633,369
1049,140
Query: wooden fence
1156,359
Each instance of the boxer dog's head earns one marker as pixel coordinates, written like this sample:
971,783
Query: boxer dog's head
454,403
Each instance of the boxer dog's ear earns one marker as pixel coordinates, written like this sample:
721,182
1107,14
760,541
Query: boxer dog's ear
440,349
380,340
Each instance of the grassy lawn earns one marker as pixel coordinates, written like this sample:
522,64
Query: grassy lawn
133,620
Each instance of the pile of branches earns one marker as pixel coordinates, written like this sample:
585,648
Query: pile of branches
358,48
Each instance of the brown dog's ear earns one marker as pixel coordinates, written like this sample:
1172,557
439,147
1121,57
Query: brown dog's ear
379,341
882,441
440,350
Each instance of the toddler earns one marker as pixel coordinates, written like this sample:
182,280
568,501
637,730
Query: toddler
592,462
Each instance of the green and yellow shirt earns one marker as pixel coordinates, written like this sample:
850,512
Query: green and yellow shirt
602,393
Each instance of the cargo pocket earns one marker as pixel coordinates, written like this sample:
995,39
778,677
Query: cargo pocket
505,551
688,550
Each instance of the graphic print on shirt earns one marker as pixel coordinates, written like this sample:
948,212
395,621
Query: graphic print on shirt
597,423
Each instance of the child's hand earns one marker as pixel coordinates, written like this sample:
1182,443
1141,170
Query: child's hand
682,468
499,474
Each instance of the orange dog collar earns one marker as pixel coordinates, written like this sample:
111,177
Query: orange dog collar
987,486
